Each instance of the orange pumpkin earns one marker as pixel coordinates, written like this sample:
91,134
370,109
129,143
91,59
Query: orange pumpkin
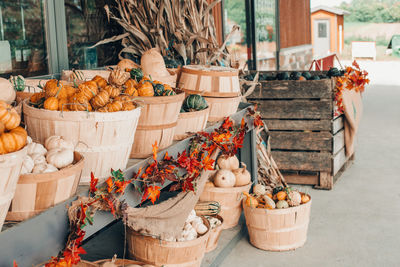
78,102
281,195
304,198
88,89
130,87
67,91
112,91
101,82
128,106
114,106
62,104
9,116
13,141
167,87
36,97
302,78
100,100
52,87
124,98
145,89
51,103
103,109
2,127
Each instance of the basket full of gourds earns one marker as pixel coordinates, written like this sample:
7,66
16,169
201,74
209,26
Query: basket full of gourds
277,220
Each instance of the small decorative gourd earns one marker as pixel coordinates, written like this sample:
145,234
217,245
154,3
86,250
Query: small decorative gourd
52,87
101,82
112,91
127,64
282,204
250,200
126,106
114,106
294,198
224,178
60,157
194,103
207,208
38,158
159,89
36,148
100,100
78,102
269,202
228,162
281,195
18,82
136,74
88,89
56,141
37,97
13,140
63,104
2,127
51,103
130,87
169,93
44,168
7,92
9,116
259,190
243,176
27,165
145,88
304,198
118,76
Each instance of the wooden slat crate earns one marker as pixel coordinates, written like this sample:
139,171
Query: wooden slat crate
307,140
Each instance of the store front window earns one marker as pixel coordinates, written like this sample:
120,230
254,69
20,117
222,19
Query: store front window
265,34
87,23
235,14
22,38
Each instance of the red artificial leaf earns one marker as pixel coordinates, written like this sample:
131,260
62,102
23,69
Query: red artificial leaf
110,184
93,183
15,264
121,186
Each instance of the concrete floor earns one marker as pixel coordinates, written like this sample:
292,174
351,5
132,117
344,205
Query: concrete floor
358,222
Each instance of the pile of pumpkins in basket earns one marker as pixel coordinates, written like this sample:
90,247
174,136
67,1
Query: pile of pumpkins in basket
98,94
56,154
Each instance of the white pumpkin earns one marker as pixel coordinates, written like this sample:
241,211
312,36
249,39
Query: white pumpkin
29,140
56,141
60,157
7,92
38,159
200,228
27,165
228,163
224,178
44,168
35,148
50,168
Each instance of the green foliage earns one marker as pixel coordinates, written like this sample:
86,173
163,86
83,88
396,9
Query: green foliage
372,11
236,12
380,40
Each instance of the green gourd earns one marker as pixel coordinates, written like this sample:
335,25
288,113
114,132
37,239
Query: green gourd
282,76
159,89
207,208
136,74
18,82
168,93
295,75
306,75
194,103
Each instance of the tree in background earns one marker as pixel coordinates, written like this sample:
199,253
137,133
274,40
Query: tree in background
372,11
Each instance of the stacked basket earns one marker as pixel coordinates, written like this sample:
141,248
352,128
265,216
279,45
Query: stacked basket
219,85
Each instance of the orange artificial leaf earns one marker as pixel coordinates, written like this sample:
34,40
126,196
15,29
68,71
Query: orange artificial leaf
155,149
110,184
153,193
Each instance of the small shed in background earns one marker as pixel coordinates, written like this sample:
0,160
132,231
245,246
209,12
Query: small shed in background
327,30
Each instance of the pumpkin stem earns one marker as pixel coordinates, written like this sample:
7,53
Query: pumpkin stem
244,167
58,92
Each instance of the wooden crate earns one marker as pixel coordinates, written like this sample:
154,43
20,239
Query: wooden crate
307,140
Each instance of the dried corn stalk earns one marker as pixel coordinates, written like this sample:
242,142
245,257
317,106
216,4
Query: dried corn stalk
268,171
178,28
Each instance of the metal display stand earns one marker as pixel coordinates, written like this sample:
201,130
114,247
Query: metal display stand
38,239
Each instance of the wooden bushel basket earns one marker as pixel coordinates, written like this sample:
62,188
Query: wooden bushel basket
192,122
212,241
221,107
230,200
104,139
169,254
37,192
10,168
82,263
120,262
157,123
278,229
213,81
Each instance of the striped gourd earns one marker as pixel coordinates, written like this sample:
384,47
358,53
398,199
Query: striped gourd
207,208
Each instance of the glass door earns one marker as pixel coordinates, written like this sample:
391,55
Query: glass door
87,23
23,44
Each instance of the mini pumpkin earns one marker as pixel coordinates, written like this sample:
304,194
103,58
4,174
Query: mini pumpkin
281,195
169,93
37,97
2,127
52,88
60,157
9,116
78,102
304,198
224,178
130,87
27,165
100,100
67,91
114,106
13,140
112,91
51,103
194,103
101,82
128,106
36,148
88,89
136,74
243,176
63,104
145,88
228,162
159,89
44,168
250,200
118,76
56,141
